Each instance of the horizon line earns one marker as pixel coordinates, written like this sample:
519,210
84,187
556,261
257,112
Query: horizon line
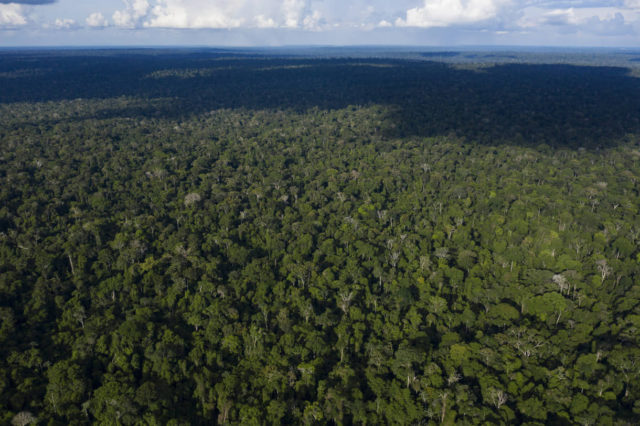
314,46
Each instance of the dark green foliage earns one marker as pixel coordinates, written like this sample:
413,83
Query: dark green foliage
229,256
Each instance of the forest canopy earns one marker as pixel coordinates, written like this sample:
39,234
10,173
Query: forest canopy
198,237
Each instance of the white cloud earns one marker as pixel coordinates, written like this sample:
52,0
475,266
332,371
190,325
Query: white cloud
134,11
443,13
543,18
168,14
535,16
223,14
197,14
263,22
614,26
601,17
313,22
560,17
292,11
11,15
64,24
96,20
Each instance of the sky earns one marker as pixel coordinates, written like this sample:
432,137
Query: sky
572,23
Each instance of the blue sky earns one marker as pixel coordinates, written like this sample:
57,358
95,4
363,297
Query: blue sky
326,22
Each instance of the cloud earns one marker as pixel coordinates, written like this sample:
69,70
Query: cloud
225,14
614,26
313,22
443,13
11,16
559,17
292,11
538,17
65,24
199,14
32,2
319,15
339,21
96,20
132,14
584,18
262,21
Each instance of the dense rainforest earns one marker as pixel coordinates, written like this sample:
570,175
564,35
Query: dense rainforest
209,237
